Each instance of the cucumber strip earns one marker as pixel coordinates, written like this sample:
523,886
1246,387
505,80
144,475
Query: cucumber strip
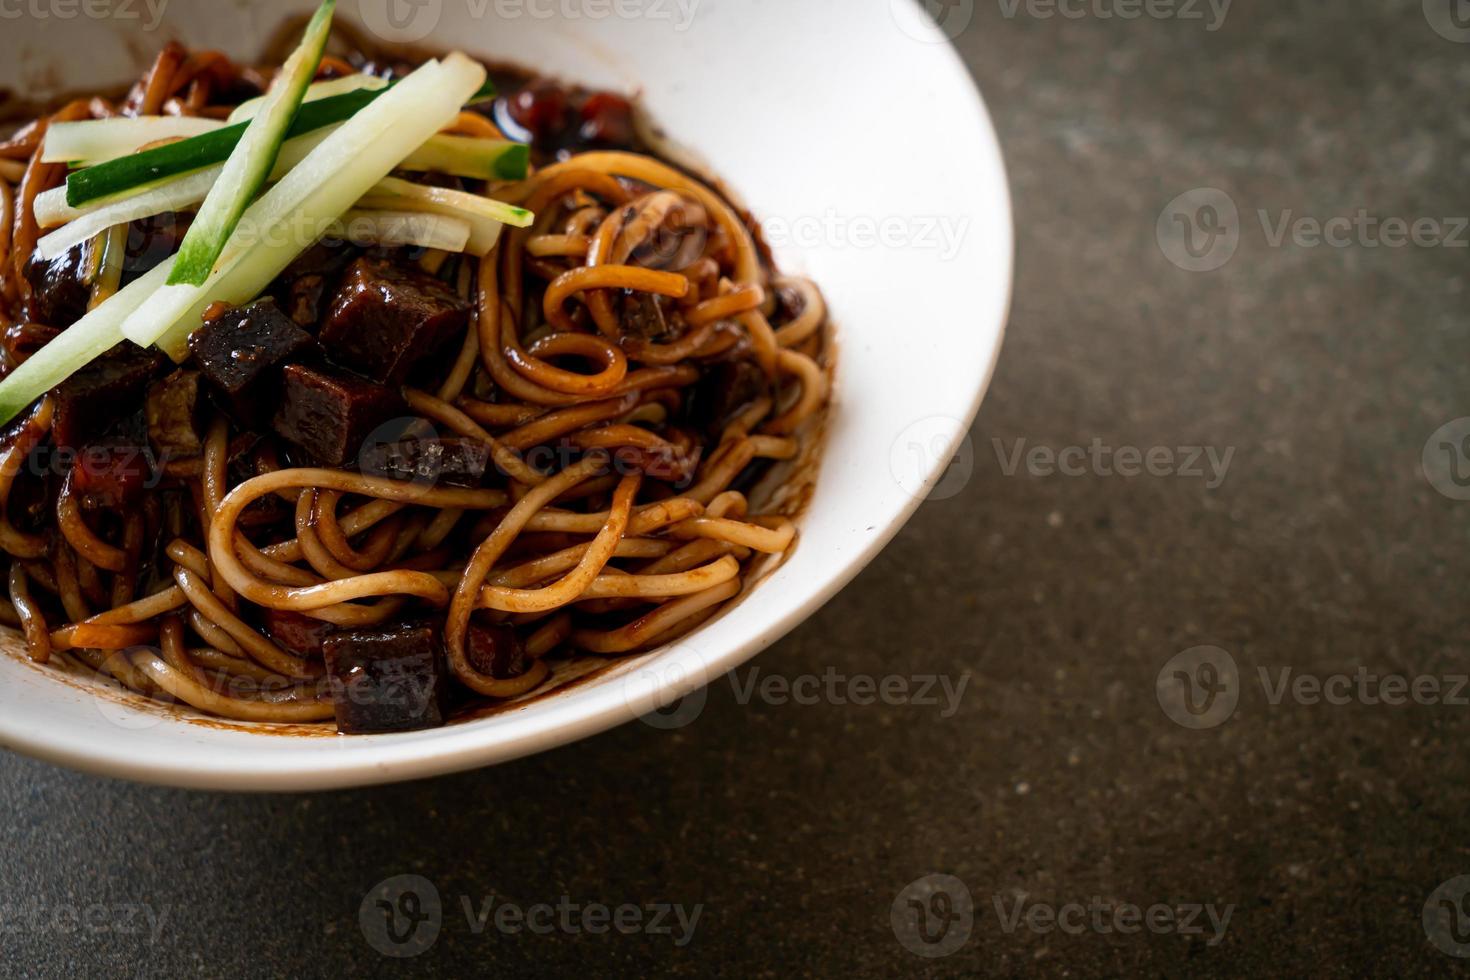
444,201
472,156
77,346
150,166
254,157
393,228
175,194
316,91
99,140
484,232
296,212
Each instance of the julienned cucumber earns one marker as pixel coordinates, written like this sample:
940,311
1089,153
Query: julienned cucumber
125,173
77,346
246,111
293,214
253,157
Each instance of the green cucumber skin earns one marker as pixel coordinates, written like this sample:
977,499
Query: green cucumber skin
199,152
514,163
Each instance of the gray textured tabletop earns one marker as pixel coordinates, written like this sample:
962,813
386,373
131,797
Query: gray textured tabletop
1301,822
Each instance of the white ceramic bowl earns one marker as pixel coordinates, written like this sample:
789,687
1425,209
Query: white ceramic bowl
848,126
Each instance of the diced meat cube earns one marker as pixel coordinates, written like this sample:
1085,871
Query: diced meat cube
387,317
151,240
111,475
451,462
240,353
495,650
173,415
60,287
93,399
296,633
328,415
387,680
726,388
21,340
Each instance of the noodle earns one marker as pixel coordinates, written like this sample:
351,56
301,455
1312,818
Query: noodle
632,364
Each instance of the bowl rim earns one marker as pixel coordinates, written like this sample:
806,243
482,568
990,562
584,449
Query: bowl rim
573,715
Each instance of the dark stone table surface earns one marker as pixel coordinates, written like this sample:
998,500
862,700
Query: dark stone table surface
1314,554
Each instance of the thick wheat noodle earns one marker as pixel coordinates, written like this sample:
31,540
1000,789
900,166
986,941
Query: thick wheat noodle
747,262
15,542
261,650
441,411
645,518
690,555
7,216
38,177
650,626
558,246
214,635
584,278
542,568
32,620
214,482
466,596
80,536
213,659
68,589
124,584
191,689
326,565
532,363
23,142
813,312
691,343
721,570
550,636
813,393
562,421
377,548
140,610
158,85
464,366
89,636
500,416
320,597
752,536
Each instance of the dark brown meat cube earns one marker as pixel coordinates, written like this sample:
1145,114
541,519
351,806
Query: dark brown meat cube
387,317
99,394
151,240
725,389
240,353
61,287
451,462
309,280
173,415
495,650
329,415
296,633
21,340
111,475
387,680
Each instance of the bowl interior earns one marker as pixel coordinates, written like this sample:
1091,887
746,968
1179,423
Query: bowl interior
876,173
